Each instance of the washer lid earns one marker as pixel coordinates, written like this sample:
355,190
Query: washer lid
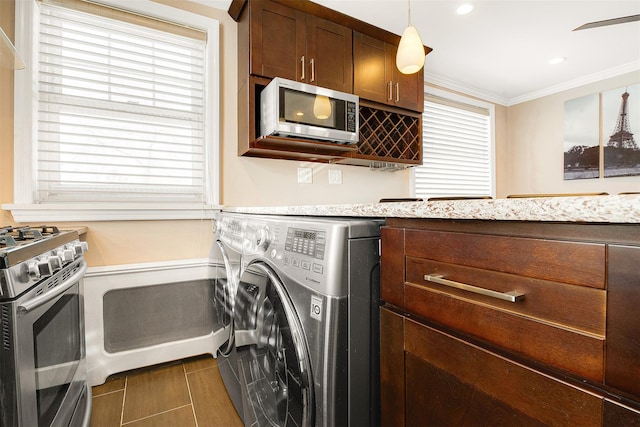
274,362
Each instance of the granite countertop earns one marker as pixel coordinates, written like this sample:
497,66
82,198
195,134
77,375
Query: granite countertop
595,209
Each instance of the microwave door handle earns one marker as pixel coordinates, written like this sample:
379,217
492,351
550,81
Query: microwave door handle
58,290
302,67
313,69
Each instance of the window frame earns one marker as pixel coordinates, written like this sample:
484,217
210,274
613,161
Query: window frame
428,90
25,209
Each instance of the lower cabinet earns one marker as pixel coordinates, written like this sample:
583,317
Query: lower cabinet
451,382
455,351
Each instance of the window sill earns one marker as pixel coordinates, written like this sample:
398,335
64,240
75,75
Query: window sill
23,213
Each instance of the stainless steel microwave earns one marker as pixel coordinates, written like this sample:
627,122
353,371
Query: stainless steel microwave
299,110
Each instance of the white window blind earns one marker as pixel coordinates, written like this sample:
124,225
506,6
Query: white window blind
120,111
457,151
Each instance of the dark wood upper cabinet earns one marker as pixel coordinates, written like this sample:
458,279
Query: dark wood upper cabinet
376,77
302,41
277,35
291,44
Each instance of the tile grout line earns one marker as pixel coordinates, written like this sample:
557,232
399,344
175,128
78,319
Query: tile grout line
155,415
124,399
193,407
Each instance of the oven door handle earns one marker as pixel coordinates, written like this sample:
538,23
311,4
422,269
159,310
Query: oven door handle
58,290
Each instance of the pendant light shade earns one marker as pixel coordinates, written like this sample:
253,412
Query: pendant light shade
410,56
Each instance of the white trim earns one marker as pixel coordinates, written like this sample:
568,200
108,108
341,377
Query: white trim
107,212
581,81
507,102
23,208
100,280
468,90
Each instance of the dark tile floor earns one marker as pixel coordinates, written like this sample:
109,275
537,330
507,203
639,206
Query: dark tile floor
187,393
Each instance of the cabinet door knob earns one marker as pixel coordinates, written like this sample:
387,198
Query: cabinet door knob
390,86
302,67
397,91
511,296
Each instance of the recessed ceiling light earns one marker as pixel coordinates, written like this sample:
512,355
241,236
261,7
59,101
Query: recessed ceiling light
465,8
557,60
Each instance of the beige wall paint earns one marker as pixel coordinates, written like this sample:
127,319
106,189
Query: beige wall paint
534,146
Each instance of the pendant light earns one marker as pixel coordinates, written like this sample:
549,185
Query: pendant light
322,107
410,56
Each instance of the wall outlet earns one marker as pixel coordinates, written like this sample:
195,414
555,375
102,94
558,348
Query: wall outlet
335,176
305,175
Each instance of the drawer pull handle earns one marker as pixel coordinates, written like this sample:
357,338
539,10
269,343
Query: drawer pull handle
511,296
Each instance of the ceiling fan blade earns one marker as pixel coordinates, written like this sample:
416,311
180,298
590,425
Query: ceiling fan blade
609,22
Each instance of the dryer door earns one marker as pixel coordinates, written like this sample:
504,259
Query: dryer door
275,369
225,293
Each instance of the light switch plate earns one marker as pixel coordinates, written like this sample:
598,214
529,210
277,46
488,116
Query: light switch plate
305,175
335,176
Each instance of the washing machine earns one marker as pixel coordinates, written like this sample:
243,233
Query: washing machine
306,321
226,258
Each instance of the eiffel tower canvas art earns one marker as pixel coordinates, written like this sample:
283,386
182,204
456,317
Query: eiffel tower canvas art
582,137
621,150
602,134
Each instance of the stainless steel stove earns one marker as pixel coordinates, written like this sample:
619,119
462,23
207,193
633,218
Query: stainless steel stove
42,348
30,254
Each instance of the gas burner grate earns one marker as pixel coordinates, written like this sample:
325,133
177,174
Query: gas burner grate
11,236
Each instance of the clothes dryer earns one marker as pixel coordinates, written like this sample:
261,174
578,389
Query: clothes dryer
226,258
306,321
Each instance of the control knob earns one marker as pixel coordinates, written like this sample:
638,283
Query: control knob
66,254
33,270
262,238
79,248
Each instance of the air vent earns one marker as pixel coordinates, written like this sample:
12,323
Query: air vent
6,328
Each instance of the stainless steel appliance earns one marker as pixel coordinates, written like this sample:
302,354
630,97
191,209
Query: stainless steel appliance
42,352
294,109
225,256
306,320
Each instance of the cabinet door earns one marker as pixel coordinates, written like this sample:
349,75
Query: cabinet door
369,69
329,55
376,77
408,89
623,321
616,415
277,40
451,382
391,369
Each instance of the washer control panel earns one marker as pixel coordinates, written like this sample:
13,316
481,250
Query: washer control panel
306,242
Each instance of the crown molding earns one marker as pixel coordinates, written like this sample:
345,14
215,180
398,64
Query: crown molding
581,81
507,102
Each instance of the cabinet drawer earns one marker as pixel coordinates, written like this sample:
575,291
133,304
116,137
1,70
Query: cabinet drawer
553,260
557,324
452,382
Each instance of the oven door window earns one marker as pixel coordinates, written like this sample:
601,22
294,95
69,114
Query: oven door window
57,345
